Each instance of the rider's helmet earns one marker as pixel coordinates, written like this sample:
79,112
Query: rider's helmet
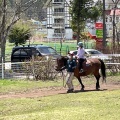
80,44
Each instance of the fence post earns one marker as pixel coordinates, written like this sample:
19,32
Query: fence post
67,49
33,67
2,69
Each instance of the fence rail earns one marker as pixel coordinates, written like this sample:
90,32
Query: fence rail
24,70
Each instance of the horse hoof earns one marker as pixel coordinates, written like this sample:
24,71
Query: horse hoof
82,89
97,89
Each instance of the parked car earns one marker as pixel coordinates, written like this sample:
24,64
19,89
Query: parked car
92,53
22,53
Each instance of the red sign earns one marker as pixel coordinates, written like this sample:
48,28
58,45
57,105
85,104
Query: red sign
99,25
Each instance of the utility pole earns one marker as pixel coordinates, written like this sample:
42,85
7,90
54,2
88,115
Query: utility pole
104,26
114,29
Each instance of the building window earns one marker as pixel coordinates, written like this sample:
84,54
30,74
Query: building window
59,10
58,20
110,28
106,19
59,30
110,20
58,0
117,19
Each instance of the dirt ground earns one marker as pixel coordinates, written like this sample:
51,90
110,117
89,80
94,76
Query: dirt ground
60,90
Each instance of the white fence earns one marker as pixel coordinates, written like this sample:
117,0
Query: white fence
16,70
27,69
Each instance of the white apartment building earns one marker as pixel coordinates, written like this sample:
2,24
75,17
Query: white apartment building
58,19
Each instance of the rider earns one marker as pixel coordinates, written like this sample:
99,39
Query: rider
81,56
70,66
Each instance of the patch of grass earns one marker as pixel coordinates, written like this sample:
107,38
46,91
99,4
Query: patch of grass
97,105
7,86
14,85
9,47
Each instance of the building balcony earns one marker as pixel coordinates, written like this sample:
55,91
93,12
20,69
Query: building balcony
58,14
58,25
57,4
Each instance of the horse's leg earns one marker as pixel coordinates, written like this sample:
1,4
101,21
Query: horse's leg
97,83
80,81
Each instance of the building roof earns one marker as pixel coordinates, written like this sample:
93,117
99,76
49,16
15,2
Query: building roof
47,3
107,12
117,12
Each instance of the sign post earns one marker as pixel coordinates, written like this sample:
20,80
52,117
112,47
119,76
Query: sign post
99,34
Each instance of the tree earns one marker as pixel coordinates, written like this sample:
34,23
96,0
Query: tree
19,34
37,11
115,31
82,10
8,17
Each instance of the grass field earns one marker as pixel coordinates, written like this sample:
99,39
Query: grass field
91,105
81,106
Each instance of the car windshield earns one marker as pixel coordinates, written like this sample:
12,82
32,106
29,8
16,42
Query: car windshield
94,52
47,50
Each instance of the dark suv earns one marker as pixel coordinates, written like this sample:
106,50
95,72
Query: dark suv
22,53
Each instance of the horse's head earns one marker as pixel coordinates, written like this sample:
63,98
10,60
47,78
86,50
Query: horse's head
61,62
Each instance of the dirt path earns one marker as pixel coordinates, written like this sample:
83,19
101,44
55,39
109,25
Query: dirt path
58,90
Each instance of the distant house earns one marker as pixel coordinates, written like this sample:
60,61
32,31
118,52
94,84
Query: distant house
109,16
109,10
58,19
109,19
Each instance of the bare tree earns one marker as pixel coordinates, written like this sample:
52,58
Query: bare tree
8,17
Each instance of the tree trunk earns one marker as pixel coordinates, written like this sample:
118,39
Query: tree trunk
2,31
78,34
3,43
78,25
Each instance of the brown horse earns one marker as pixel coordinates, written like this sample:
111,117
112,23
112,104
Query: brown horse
90,66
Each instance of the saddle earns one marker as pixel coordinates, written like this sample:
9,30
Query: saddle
85,64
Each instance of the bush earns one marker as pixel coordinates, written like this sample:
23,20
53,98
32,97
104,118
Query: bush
41,68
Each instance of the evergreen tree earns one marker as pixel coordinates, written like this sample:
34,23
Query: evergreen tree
19,34
82,10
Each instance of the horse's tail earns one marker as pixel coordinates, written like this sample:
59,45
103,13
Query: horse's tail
103,70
